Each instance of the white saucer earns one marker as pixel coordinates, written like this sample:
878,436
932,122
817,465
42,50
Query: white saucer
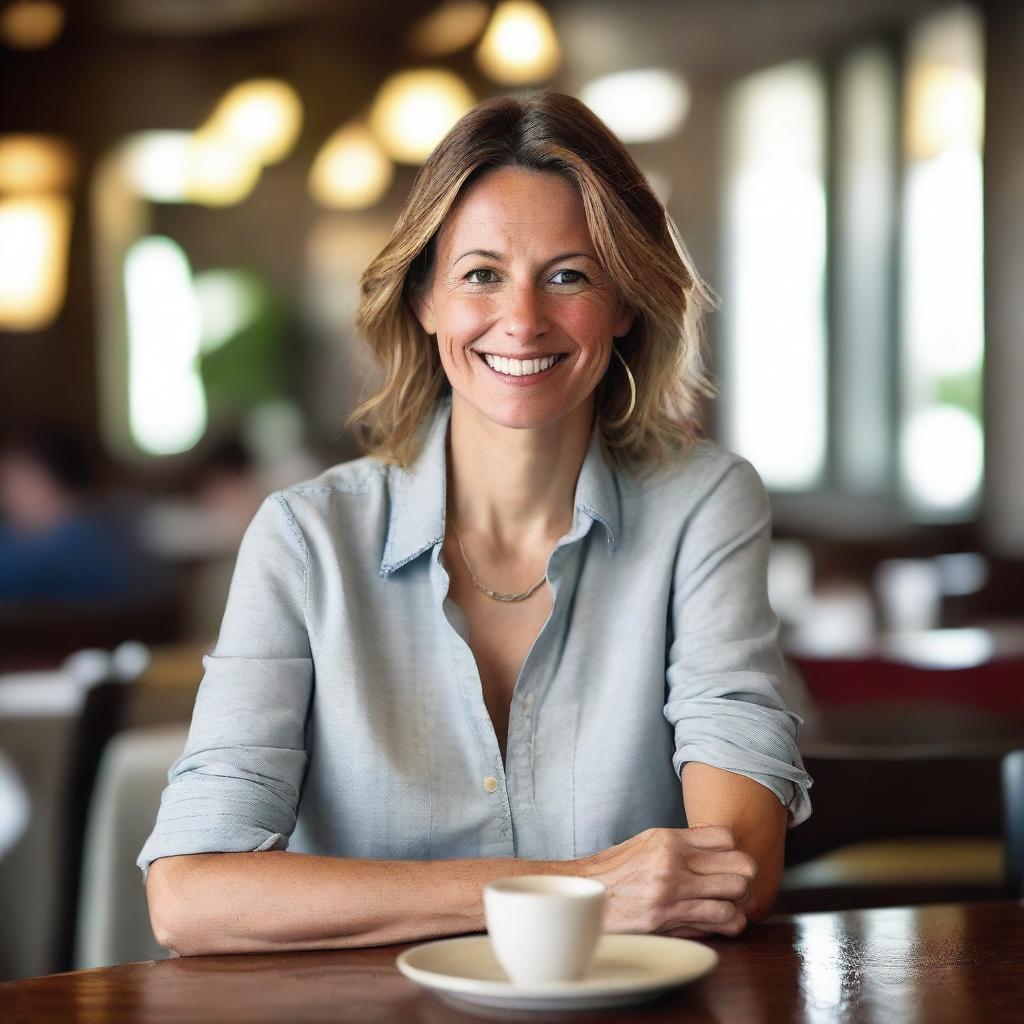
626,969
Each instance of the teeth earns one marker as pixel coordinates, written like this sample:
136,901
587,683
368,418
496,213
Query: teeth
518,367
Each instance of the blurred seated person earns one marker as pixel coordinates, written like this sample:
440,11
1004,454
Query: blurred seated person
58,542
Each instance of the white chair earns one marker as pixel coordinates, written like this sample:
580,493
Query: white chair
113,917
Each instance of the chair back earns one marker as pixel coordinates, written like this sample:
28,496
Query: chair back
113,925
1013,821
914,792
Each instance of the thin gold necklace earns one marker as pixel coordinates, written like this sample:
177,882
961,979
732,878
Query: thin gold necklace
494,593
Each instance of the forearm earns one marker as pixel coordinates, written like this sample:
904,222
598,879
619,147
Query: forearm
757,818
276,901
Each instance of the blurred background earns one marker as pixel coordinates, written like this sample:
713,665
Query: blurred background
189,191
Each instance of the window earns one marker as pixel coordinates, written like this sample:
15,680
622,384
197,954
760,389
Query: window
774,313
853,337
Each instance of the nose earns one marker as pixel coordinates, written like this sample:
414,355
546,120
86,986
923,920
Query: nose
523,316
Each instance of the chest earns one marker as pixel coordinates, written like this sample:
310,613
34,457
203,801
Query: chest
501,634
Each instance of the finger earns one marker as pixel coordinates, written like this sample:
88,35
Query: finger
724,886
709,837
719,916
687,932
722,862
700,913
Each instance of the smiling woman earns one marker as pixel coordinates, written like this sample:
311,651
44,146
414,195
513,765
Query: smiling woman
528,632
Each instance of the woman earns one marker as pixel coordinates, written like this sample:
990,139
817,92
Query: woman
529,627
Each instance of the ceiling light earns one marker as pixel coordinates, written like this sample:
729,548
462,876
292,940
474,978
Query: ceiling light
414,110
262,116
639,106
35,163
34,233
520,44
452,27
351,171
156,165
220,173
31,24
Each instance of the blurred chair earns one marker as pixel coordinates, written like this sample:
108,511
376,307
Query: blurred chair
906,825
113,918
103,714
1013,821
43,635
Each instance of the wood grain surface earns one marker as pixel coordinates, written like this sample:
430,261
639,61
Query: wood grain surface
957,963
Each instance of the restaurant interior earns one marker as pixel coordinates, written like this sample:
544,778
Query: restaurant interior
206,180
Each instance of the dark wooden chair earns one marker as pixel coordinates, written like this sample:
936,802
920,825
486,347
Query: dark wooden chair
1013,821
42,635
898,826
104,712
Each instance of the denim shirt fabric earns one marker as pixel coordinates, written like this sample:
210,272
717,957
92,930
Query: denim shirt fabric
341,711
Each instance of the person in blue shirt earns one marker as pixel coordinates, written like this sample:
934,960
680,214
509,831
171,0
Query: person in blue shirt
527,632
56,543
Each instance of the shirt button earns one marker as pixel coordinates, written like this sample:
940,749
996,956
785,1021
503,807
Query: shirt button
490,783
529,699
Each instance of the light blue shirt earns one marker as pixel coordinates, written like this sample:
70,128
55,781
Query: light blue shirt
341,711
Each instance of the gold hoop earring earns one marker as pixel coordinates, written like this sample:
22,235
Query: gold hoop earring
632,391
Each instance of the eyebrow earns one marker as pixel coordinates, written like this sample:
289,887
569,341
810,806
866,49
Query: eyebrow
490,254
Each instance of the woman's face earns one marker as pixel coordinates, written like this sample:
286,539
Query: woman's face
517,286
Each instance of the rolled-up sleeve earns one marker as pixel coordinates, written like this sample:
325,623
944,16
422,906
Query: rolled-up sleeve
236,786
724,662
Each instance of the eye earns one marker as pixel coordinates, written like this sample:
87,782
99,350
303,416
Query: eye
575,277
481,270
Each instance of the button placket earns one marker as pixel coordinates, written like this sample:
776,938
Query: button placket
499,840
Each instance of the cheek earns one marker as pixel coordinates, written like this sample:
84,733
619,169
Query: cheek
463,320
588,322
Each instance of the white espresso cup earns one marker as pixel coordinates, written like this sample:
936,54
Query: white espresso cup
544,928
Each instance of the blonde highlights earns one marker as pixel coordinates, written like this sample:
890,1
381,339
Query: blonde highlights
636,241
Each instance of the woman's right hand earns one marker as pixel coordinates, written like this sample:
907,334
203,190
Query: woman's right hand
684,882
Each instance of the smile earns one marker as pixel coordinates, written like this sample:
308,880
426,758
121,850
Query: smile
519,367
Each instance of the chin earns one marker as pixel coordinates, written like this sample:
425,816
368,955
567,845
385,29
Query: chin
523,414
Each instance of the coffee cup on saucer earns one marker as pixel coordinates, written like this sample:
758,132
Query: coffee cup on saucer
544,928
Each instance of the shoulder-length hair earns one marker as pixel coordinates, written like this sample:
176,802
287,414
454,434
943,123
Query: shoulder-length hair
636,242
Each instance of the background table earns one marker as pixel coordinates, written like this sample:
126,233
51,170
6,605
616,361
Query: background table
953,963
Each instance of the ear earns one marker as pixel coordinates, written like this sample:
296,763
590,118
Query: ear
423,306
624,320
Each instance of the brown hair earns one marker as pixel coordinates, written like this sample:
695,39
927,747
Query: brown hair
635,240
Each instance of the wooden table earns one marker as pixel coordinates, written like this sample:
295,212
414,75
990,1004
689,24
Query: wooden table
957,963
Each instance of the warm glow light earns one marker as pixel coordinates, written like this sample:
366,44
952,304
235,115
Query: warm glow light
157,165
415,109
639,106
179,167
351,171
31,24
451,27
946,107
35,163
520,44
34,232
220,173
262,117
166,402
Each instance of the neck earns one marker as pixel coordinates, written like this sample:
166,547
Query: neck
514,487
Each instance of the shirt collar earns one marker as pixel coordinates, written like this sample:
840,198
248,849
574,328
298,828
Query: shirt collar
418,494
